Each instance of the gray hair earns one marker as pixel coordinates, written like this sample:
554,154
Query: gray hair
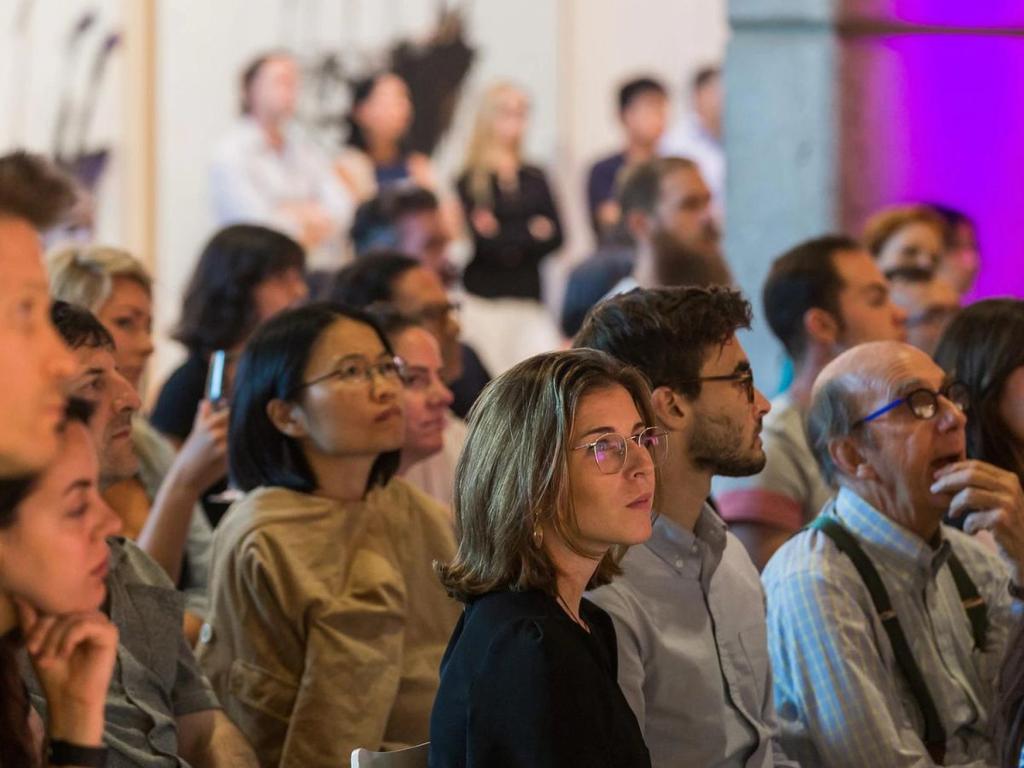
832,416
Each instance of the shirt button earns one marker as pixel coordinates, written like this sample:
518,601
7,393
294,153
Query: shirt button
206,633
679,562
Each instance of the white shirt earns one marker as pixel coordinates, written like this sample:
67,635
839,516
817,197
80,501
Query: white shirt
687,138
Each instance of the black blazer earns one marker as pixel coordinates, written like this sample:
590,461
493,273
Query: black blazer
524,685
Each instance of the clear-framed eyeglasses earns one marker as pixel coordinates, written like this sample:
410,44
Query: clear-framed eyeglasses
924,403
358,369
609,450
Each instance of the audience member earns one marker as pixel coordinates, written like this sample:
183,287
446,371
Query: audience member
326,629
53,560
508,204
643,104
268,171
557,475
590,281
154,492
35,363
667,209
414,291
698,134
689,609
406,219
375,155
886,628
820,297
961,258
906,236
245,274
929,301
433,439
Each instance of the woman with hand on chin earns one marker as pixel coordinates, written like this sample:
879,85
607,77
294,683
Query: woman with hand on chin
326,625
557,476
53,565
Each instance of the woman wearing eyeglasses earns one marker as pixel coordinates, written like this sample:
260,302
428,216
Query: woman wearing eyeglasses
557,476
326,627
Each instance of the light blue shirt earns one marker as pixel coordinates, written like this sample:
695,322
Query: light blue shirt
840,697
693,661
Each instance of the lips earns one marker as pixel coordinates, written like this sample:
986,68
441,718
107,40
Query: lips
946,460
641,502
101,570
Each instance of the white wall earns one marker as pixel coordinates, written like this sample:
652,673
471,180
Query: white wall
569,54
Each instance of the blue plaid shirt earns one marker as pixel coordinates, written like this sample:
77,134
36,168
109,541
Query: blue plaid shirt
840,698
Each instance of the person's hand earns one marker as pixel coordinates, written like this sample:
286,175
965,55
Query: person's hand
608,214
541,227
421,171
992,500
202,460
484,223
73,656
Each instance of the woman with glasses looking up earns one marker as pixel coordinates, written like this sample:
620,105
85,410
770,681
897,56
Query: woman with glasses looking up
326,627
557,476
982,348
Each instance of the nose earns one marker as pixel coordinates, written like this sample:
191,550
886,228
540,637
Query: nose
761,403
442,396
383,387
899,315
638,460
127,399
110,523
950,417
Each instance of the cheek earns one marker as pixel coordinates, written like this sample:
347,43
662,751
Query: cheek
53,575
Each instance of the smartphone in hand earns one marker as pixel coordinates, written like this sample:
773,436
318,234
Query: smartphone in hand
215,379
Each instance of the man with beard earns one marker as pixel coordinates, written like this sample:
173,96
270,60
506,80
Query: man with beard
666,208
688,609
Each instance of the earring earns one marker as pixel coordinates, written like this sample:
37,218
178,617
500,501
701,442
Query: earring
538,533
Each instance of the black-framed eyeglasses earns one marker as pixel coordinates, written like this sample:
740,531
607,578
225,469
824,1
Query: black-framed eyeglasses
924,403
358,369
743,378
609,450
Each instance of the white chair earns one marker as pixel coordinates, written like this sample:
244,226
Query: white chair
413,757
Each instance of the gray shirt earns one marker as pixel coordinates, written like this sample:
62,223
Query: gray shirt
156,678
693,659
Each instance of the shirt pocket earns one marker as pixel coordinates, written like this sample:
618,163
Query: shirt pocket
261,693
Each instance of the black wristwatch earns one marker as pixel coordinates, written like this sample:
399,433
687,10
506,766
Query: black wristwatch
65,753
1016,591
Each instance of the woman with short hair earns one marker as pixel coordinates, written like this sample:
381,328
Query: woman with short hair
557,476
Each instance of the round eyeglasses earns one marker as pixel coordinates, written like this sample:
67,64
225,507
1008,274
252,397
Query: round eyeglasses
609,450
924,403
357,369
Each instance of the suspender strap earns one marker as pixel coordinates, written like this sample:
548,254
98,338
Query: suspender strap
974,604
934,733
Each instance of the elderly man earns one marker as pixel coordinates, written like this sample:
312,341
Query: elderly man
886,628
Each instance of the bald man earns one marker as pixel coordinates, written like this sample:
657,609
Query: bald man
886,628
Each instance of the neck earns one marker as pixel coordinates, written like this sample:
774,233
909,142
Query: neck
900,509
574,571
643,268
273,130
381,151
8,614
683,490
408,460
806,372
639,152
340,478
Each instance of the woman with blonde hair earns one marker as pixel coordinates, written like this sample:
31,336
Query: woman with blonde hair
557,476
508,204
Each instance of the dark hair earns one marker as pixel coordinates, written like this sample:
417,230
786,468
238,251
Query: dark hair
640,187
513,472
370,279
374,226
252,71
1009,714
640,86
272,367
804,277
981,347
705,76
79,327
34,189
218,311
392,322
362,90
666,333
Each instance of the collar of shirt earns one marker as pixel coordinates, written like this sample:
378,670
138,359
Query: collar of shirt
889,543
693,554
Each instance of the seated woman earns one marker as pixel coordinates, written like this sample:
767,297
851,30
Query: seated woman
557,475
326,627
53,565
906,236
245,274
982,347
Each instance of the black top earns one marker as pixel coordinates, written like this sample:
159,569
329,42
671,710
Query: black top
175,412
523,685
467,388
507,264
601,186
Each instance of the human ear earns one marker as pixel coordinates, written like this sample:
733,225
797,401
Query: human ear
288,418
638,224
671,409
821,326
850,459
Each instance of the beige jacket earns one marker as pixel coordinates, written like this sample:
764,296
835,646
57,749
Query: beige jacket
327,624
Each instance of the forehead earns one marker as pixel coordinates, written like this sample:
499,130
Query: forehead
611,406
276,67
75,459
918,231
128,290
647,100
909,367
94,357
418,347
345,337
21,254
856,268
723,358
419,285
683,182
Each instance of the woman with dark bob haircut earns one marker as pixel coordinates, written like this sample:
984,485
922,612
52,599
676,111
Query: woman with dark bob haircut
556,477
326,625
984,348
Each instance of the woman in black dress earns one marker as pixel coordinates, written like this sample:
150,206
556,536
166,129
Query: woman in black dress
557,475
508,204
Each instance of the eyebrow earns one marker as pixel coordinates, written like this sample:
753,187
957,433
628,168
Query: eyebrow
82,484
605,430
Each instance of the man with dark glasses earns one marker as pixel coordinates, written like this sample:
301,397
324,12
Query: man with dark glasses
688,609
887,628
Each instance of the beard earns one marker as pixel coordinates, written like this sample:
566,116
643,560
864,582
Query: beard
699,262
720,446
